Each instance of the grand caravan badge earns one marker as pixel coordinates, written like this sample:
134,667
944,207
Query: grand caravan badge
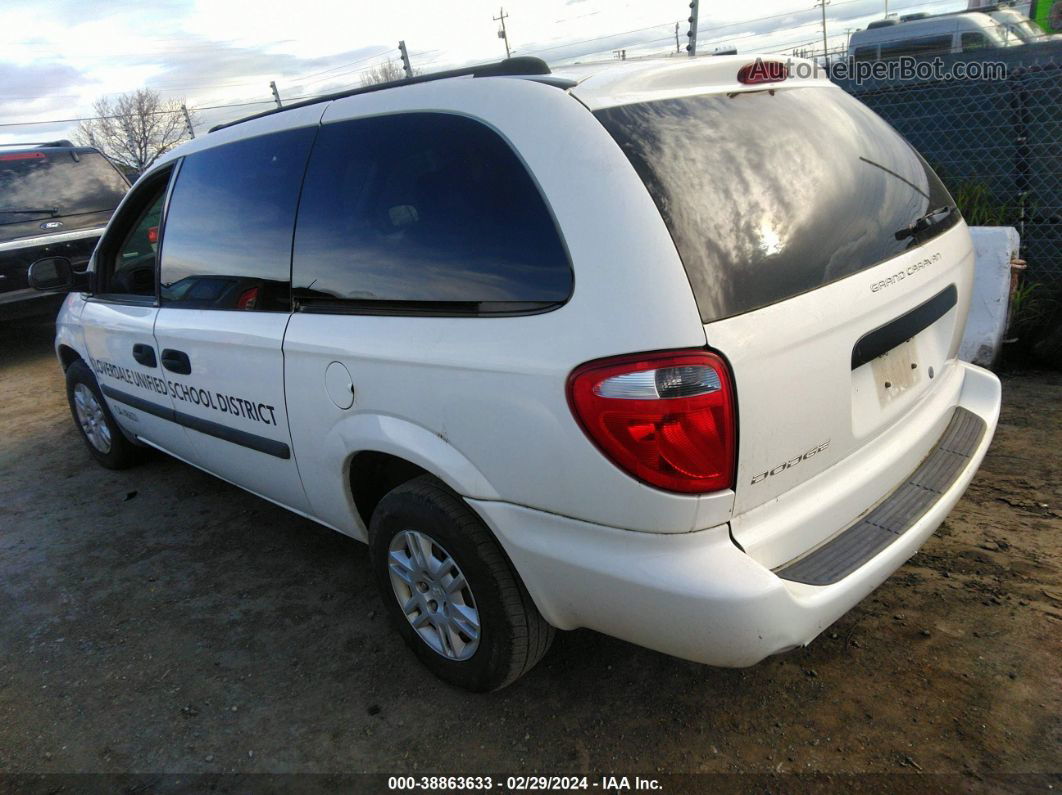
792,462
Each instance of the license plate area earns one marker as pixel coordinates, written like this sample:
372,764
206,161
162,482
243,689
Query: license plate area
897,371
888,385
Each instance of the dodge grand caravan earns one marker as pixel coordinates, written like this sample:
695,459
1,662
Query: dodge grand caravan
662,349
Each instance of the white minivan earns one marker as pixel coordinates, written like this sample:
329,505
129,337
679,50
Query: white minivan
666,349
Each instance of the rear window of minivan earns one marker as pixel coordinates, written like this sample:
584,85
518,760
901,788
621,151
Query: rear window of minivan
769,194
69,182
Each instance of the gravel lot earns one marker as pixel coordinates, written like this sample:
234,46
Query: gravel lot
160,620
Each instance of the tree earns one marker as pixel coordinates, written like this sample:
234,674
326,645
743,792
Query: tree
384,73
134,129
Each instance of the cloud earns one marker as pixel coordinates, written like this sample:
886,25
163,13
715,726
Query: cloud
38,88
211,53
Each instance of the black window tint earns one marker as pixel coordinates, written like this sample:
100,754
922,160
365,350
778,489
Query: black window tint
866,53
424,211
227,242
929,45
771,194
70,181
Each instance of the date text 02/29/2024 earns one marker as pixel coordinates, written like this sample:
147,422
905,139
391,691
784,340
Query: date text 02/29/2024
524,783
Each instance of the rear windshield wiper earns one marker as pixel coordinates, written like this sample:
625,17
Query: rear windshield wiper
53,211
931,218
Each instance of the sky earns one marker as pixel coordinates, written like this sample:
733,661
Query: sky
57,56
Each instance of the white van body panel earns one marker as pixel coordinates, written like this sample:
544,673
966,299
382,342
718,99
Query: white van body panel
498,384
480,402
953,25
69,332
645,81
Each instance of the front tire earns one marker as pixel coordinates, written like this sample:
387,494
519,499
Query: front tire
101,434
450,590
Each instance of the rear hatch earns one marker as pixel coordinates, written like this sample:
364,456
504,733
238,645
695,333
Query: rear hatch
51,191
48,189
829,265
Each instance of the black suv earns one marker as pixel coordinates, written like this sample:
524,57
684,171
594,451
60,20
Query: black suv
55,200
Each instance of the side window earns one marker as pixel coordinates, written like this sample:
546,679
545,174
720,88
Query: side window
973,41
229,225
128,268
929,45
865,53
424,212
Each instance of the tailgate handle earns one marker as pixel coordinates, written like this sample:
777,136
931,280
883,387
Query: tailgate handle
884,338
145,355
176,361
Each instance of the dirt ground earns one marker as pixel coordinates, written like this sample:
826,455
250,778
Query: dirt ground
158,620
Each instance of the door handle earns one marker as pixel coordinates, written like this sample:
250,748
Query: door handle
176,361
145,355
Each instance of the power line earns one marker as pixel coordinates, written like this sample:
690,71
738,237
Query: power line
151,113
305,80
308,79
598,38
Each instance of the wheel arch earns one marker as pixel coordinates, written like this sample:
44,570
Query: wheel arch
372,453
67,355
372,474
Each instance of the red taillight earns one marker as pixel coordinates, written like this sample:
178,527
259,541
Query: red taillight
153,234
763,72
665,418
248,299
23,156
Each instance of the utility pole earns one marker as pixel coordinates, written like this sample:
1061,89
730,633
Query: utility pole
405,58
691,48
276,94
677,48
188,121
825,55
503,34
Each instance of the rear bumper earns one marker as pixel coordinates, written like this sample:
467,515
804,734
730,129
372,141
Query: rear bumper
697,595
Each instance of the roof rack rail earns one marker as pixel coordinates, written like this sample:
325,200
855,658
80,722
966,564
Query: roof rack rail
61,142
511,67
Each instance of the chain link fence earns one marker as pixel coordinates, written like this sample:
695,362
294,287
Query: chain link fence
997,145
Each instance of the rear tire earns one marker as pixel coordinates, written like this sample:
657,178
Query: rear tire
101,434
439,567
